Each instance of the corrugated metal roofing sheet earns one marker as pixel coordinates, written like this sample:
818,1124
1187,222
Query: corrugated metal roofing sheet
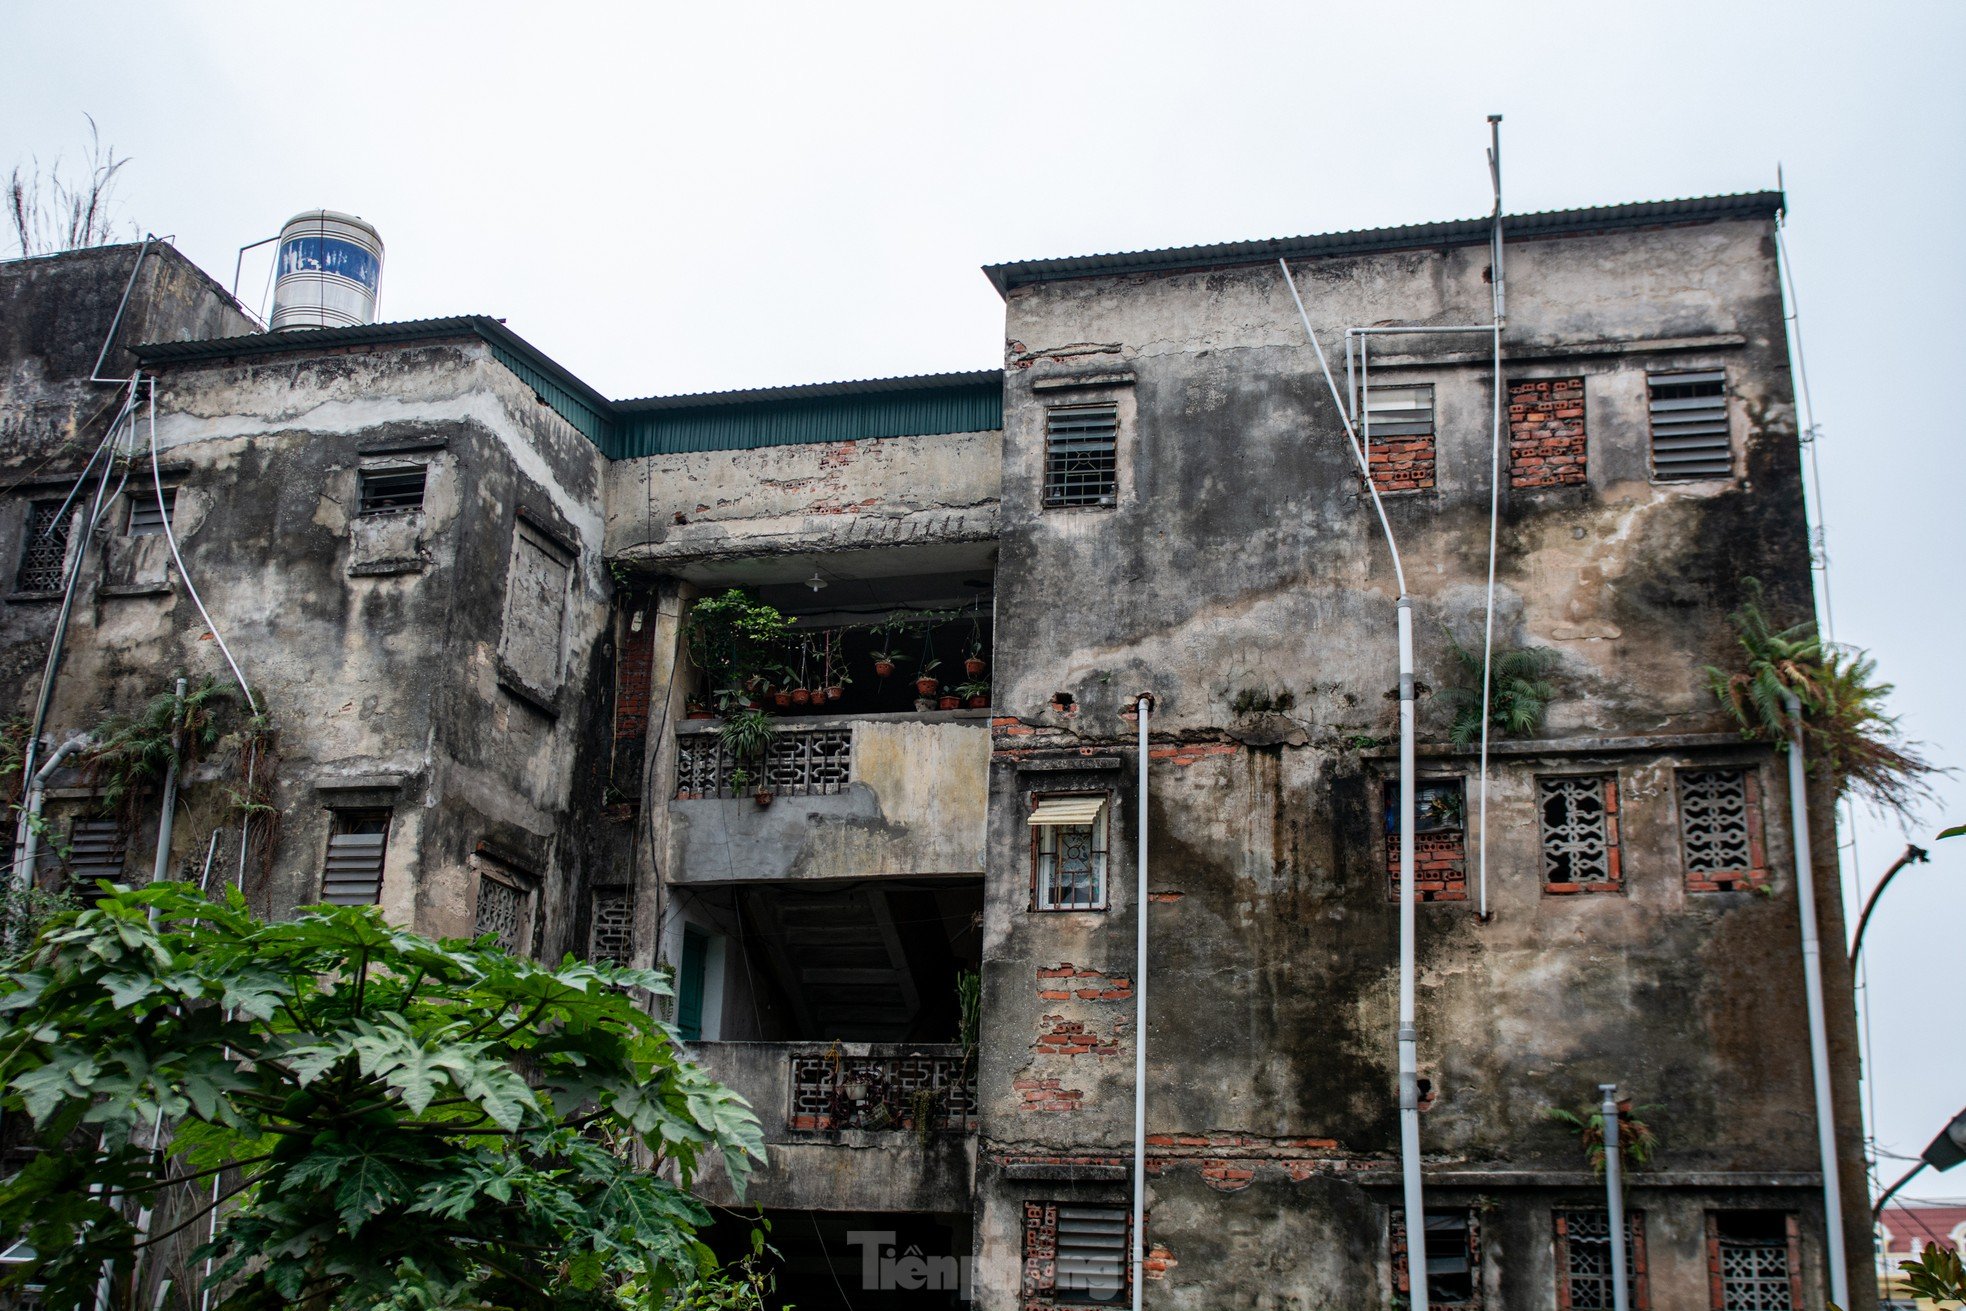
1459,232
925,405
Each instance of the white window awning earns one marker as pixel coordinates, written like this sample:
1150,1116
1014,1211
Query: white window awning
1055,811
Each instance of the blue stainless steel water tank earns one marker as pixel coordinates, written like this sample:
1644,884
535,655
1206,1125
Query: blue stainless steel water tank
330,268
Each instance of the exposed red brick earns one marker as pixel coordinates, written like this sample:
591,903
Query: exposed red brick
1547,444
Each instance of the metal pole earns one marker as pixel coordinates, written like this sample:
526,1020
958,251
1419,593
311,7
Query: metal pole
1614,1196
1913,856
1812,987
1143,704
164,819
1408,1034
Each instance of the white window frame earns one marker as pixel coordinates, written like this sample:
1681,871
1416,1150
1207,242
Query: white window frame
1044,848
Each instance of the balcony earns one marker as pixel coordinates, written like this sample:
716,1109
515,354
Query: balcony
833,797
841,1124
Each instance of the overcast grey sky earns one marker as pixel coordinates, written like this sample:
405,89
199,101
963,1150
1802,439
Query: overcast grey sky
687,198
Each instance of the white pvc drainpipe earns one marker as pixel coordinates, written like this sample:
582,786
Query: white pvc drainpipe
1812,991
37,793
1614,1196
1144,705
1407,1036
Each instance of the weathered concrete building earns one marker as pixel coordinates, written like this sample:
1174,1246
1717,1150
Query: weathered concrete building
458,579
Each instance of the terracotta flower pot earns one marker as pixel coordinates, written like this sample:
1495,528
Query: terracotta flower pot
926,686
882,668
801,697
979,703
976,665
763,797
924,703
950,703
781,699
835,692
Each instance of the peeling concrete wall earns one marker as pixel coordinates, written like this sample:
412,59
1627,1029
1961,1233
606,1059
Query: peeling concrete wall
833,1170
382,647
668,510
1242,578
914,804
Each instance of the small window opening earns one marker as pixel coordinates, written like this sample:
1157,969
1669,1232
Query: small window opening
96,850
44,548
146,518
611,925
1069,853
1081,455
1451,1260
1399,424
1580,836
1583,1264
1689,425
357,844
392,491
1753,1255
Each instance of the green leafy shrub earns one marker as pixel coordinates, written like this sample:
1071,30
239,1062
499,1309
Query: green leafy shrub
1846,733
396,1121
1519,692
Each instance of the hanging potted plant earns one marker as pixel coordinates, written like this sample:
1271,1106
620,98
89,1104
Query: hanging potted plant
836,684
975,693
975,664
926,684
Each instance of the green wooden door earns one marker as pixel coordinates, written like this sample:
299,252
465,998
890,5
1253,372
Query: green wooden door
689,984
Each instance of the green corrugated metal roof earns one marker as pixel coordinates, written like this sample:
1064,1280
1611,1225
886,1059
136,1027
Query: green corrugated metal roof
926,405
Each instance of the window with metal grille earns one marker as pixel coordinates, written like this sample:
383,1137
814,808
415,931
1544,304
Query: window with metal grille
1583,1261
1754,1261
1689,425
392,491
501,913
1068,845
1718,829
1081,455
96,848
356,846
1580,833
611,925
146,519
1453,1260
44,548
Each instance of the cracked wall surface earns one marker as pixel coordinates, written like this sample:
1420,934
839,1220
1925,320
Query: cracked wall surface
1243,580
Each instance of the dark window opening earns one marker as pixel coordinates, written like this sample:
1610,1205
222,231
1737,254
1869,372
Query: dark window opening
44,548
1440,865
96,850
1583,1264
1453,1260
357,843
1081,456
1689,425
146,518
1754,1260
1579,833
392,491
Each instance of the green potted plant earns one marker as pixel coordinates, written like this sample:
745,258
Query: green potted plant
975,664
837,682
926,683
736,642
975,693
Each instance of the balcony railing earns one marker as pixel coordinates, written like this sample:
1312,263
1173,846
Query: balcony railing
799,762
832,1090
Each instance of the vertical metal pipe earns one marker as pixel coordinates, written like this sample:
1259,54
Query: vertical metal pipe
1614,1197
1144,705
1812,987
1408,1035
162,864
